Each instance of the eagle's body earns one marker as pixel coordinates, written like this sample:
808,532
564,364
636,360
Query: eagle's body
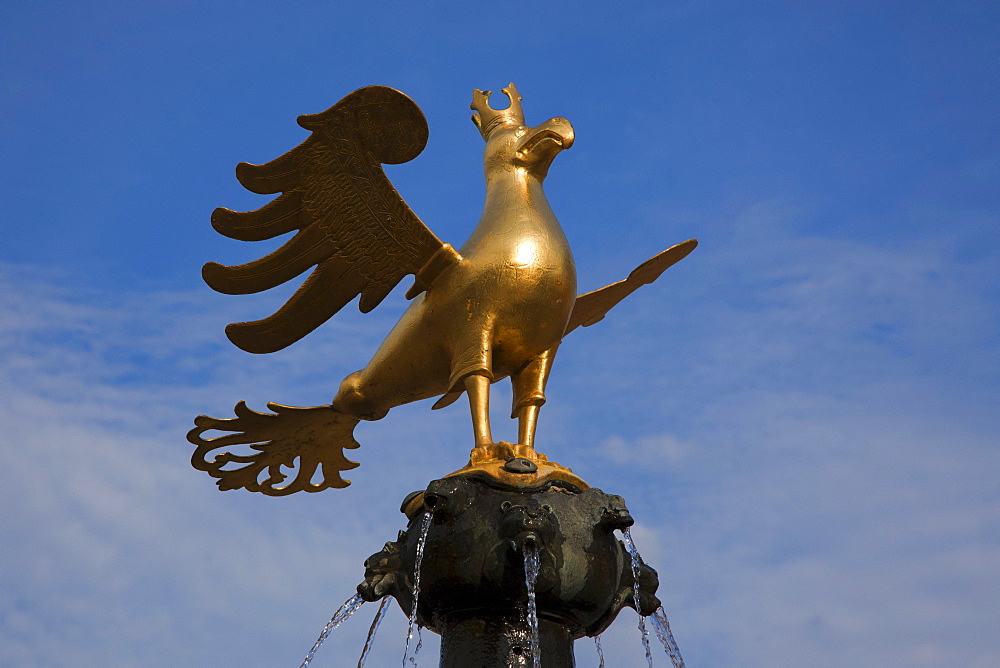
497,307
506,302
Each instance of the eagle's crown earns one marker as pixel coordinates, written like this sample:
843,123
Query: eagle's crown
488,119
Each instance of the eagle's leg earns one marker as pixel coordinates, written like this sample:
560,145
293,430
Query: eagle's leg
529,394
478,387
527,420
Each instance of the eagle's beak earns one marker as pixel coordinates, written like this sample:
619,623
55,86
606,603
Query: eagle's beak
538,147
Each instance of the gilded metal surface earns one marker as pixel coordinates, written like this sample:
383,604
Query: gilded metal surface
352,225
494,460
497,307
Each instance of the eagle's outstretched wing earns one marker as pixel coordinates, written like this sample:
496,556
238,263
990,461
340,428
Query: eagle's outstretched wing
299,439
593,306
351,223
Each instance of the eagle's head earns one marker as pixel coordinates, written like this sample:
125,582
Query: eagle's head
510,144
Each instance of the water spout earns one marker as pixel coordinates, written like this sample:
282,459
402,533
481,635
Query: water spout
349,608
636,562
373,629
659,618
532,565
420,643
662,628
600,650
425,526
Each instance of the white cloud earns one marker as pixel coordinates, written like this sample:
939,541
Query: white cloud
115,551
808,440
811,465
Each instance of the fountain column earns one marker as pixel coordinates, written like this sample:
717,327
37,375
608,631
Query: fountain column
473,589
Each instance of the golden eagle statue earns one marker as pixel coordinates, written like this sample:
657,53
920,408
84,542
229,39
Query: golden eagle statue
498,306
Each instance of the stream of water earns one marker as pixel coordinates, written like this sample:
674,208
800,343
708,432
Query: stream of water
600,650
425,526
420,643
659,618
662,628
636,562
532,565
349,608
373,629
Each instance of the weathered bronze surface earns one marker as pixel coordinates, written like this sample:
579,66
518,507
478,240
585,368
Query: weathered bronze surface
498,307
472,585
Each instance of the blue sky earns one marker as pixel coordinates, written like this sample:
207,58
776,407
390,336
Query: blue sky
802,415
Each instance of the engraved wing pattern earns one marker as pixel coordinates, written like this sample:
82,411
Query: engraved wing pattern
350,223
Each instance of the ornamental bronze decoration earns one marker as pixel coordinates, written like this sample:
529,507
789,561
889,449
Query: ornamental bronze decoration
497,307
